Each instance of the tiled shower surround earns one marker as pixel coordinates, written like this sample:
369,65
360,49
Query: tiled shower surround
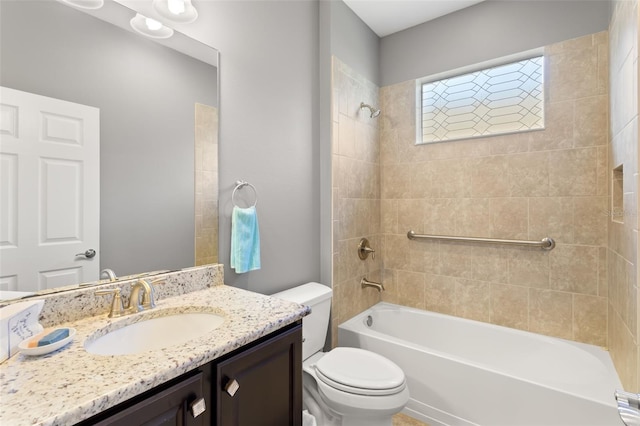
356,193
553,182
623,158
548,183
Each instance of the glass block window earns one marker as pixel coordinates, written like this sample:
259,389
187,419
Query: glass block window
503,99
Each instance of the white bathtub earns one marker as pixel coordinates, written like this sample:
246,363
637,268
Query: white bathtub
463,372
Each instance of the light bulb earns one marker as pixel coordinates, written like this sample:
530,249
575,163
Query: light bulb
150,27
176,7
181,11
152,24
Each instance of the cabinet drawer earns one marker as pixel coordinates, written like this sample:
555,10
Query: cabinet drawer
171,406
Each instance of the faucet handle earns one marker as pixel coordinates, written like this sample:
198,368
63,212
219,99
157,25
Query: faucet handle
372,251
154,283
364,249
117,307
158,281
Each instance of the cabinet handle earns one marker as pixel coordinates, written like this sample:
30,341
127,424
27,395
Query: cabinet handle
198,407
232,387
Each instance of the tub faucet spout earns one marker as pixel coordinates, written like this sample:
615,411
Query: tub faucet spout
366,283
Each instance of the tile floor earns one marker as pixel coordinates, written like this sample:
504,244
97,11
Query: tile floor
404,420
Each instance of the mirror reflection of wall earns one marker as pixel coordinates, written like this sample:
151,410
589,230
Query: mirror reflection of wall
147,96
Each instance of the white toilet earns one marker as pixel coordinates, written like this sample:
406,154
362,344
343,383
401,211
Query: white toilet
345,386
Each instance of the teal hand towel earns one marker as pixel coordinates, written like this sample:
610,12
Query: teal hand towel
245,240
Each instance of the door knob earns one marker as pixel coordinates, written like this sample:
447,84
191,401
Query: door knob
88,254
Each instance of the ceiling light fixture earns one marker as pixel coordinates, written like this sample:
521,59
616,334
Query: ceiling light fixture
150,27
176,6
181,11
85,4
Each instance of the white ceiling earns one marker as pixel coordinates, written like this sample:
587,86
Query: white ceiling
386,17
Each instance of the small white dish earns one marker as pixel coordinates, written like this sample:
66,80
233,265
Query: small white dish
42,350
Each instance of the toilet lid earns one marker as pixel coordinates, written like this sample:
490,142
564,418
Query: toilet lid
360,371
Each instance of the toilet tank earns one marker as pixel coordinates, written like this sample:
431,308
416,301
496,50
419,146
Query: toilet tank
316,324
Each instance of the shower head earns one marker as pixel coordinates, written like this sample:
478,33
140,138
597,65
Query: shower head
374,112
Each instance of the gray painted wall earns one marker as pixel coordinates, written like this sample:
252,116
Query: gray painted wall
485,31
344,35
269,131
326,190
146,95
353,41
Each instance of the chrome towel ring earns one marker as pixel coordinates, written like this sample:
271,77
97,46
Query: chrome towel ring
239,185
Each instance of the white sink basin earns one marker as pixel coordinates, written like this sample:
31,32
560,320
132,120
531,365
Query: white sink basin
154,333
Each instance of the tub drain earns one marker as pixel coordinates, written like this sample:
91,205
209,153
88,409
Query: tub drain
369,320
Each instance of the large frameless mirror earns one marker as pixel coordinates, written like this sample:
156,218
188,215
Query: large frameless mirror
108,148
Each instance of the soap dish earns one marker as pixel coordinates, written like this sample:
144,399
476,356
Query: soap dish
42,350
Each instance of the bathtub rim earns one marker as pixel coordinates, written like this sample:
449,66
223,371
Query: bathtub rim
357,324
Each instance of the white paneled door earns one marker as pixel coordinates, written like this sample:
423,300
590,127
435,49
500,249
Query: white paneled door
49,192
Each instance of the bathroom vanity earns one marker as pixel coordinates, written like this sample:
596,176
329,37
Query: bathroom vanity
245,372
260,383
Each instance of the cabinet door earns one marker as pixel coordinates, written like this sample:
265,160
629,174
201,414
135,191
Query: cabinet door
171,406
262,386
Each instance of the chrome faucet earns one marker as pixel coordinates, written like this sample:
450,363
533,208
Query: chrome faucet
366,283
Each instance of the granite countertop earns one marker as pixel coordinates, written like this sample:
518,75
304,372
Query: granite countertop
70,384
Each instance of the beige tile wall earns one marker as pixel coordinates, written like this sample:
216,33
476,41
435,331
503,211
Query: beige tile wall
356,193
206,182
551,183
623,228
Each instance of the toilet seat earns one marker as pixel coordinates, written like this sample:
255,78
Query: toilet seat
360,372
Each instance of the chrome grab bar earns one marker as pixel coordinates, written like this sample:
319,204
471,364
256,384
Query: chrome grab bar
545,243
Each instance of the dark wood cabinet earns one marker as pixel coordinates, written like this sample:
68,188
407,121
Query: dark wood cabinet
259,384
262,385
178,402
